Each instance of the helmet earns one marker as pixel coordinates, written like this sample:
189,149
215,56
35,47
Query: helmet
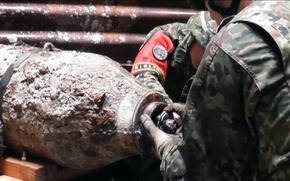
202,27
200,5
197,4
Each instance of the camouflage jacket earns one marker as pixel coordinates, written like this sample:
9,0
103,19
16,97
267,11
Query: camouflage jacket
237,123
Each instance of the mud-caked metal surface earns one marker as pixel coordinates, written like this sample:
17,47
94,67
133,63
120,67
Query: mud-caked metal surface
80,110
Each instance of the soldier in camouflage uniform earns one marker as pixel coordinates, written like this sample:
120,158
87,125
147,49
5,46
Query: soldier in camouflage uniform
165,63
237,116
169,57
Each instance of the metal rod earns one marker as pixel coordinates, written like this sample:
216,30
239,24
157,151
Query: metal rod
92,10
71,37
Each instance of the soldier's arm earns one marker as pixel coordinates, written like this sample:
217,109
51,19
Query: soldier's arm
241,97
150,80
267,105
168,45
152,61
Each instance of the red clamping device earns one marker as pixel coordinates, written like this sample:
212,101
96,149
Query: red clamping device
153,55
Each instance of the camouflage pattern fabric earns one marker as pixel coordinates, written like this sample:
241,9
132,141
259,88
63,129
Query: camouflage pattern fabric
172,164
202,28
175,79
150,81
237,123
177,82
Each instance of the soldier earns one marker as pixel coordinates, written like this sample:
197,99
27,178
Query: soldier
237,123
165,63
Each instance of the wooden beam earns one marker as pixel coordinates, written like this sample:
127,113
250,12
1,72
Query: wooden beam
7,178
28,171
36,170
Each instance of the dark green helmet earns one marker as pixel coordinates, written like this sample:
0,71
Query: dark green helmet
200,5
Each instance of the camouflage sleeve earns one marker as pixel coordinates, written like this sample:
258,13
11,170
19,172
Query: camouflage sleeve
202,27
238,111
267,107
215,131
176,31
154,79
181,37
151,81
266,96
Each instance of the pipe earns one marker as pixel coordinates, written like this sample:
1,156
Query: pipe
73,11
63,37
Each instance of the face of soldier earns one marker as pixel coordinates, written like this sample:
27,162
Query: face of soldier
196,53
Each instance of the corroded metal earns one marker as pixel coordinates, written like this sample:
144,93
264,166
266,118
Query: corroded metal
80,110
92,10
71,37
92,26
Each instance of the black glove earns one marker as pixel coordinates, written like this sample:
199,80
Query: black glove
166,148
167,118
178,108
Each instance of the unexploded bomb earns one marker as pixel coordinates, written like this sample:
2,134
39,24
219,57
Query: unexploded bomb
77,109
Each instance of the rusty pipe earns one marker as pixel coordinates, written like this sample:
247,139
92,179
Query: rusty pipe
73,11
71,37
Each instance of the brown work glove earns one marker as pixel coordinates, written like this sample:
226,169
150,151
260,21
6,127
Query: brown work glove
166,148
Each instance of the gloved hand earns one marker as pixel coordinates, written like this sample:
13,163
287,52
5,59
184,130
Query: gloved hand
178,108
167,117
166,148
169,122
170,119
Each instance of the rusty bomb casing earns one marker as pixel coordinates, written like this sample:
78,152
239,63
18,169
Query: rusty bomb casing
80,110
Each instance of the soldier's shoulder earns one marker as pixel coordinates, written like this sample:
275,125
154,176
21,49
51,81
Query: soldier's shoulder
252,51
235,37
